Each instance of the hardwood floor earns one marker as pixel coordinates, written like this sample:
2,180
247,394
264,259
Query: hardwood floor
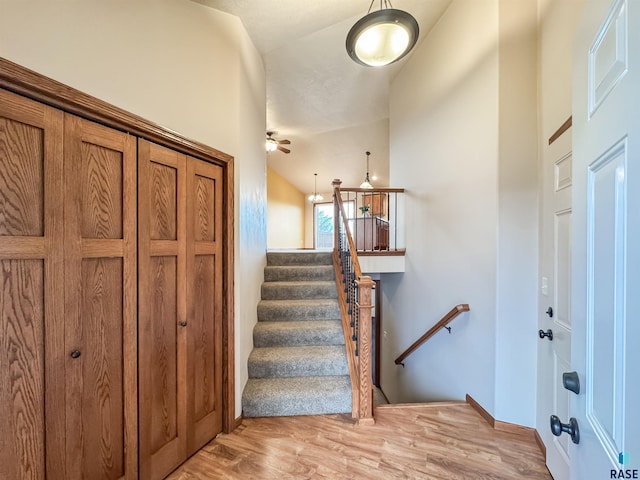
435,441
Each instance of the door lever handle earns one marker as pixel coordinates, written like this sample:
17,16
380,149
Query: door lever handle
548,333
571,382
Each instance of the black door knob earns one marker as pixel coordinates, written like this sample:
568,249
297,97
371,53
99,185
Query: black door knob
548,333
557,427
549,312
75,354
183,324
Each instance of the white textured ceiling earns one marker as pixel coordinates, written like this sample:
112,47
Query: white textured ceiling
332,109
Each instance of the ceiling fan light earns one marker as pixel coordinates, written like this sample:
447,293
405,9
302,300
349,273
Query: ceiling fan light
382,37
271,145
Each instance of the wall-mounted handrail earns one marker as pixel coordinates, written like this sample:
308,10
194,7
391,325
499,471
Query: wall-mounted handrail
355,306
444,321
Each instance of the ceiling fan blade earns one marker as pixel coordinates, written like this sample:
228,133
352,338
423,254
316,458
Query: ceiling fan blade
283,150
284,142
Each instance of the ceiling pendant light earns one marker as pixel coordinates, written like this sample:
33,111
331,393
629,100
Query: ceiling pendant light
315,197
367,183
382,37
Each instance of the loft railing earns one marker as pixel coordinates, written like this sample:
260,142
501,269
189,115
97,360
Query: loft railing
444,321
355,306
374,217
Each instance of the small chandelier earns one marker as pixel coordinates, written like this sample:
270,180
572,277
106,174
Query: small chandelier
367,183
315,196
382,37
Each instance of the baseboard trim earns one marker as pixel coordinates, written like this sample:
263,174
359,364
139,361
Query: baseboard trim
481,411
386,406
238,421
506,426
540,443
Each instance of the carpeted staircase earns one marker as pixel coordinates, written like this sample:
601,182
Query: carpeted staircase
298,365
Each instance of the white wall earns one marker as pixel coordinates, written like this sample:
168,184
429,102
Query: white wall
463,145
179,64
516,321
444,151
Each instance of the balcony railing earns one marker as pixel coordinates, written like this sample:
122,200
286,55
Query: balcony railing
375,218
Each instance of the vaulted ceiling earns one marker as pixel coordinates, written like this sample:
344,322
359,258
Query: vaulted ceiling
332,109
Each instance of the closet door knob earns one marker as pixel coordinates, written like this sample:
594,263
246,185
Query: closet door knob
183,324
75,354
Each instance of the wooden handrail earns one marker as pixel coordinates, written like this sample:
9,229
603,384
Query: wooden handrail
372,190
444,321
355,308
352,244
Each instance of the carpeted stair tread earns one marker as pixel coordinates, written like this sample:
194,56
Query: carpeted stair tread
298,365
299,258
298,273
293,333
299,290
298,361
317,395
311,309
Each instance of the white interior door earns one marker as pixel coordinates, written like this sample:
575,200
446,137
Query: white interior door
606,247
554,348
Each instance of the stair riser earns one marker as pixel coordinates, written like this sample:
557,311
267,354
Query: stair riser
322,367
276,407
297,339
301,396
292,274
295,292
310,258
271,313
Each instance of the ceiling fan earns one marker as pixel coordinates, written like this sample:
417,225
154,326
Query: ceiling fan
272,144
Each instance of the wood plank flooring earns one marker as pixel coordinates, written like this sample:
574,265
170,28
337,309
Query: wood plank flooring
433,441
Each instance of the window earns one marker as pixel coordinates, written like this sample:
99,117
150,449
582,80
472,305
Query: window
323,223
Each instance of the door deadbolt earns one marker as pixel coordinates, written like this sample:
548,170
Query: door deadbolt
571,382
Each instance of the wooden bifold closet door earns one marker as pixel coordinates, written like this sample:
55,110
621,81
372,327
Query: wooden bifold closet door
67,296
180,306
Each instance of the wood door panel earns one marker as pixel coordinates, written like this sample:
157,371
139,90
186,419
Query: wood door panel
164,356
202,332
101,203
163,203
100,301
204,280
31,298
21,179
102,397
162,308
22,409
205,213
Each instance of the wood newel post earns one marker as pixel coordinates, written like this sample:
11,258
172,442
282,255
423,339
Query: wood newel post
365,286
336,213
